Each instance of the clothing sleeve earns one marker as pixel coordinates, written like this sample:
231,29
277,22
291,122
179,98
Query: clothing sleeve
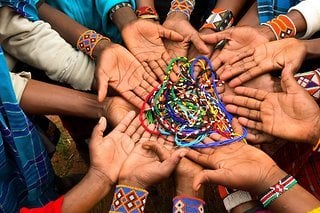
51,207
19,82
103,8
128,199
185,204
310,9
36,44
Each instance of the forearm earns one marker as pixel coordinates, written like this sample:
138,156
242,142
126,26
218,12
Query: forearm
142,3
123,16
313,50
48,99
234,6
92,188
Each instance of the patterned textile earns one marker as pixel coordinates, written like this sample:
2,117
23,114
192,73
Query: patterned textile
26,176
129,199
311,82
269,9
26,8
183,204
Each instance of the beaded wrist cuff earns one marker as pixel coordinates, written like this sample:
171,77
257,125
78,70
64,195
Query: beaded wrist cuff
182,6
310,81
233,197
184,204
282,27
278,189
88,41
219,20
129,199
117,7
147,13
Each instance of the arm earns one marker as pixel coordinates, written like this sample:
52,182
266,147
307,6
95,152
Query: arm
312,48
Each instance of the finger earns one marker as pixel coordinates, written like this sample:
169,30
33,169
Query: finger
151,80
216,59
249,103
208,176
97,133
133,98
257,125
169,34
288,82
236,126
102,88
157,70
243,111
214,38
258,137
148,70
167,166
249,68
133,126
138,134
123,125
199,44
157,148
251,92
200,158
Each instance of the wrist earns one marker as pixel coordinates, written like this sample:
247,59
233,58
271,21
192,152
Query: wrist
101,45
185,188
124,17
312,48
266,32
132,181
174,18
96,176
315,140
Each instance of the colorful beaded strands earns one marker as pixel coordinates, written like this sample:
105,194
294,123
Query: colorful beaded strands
189,109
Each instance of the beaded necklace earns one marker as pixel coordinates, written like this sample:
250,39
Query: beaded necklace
190,108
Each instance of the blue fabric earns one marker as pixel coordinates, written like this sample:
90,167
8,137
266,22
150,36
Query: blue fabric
92,14
26,175
269,9
27,8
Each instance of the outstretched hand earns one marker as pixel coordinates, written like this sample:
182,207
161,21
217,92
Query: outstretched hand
291,114
118,68
262,59
144,40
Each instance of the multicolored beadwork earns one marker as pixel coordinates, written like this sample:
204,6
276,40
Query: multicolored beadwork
182,6
189,109
282,27
184,204
310,81
218,20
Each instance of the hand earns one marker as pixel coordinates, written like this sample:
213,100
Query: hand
237,165
119,69
149,163
194,51
291,115
264,58
144,40
240,39
179,23
108,153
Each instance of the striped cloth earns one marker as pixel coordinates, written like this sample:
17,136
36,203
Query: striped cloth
269,9
26,8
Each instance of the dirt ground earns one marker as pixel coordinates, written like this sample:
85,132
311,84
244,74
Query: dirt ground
70,165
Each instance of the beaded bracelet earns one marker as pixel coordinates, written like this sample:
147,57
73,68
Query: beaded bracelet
278,189
310,81
184,204
182,6
88,41
147,13
282,27
117,7
219,20
129,199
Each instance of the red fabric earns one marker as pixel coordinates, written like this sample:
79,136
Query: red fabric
51,207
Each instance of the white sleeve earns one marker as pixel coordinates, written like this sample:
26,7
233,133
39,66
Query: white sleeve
36,44
19,82
310,9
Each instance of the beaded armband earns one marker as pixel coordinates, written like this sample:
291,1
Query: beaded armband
184,204
278,189
88,41
282,27
233,197
147,13
310,81
182,6
117,7
129,199
218,20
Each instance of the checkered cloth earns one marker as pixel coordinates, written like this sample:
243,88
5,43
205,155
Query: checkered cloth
26,8
269,9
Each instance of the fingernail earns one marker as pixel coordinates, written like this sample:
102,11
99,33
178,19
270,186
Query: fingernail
198,187
100,121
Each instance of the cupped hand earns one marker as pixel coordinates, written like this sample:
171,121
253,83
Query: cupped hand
265,58
291,114
143,38
118,68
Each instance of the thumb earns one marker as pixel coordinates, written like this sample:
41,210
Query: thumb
157,148
97,133
207,176
169,34
288,82
171,163
102,87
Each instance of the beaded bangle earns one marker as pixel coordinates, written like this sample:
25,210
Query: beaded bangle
218,20
282,27
147,13
233,197
310,81
184,204
182,6
88,41
117,7
278,189
129,199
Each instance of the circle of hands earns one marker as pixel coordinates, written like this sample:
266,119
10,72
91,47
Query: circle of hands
134,157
